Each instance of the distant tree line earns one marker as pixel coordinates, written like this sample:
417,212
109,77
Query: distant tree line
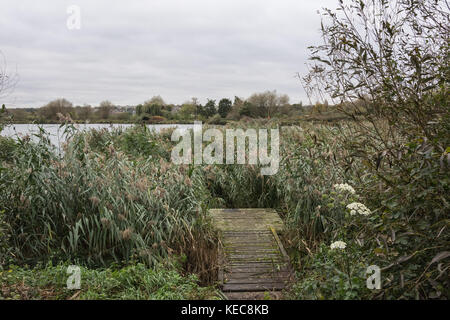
267,104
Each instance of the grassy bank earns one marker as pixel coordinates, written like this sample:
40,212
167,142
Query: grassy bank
133,282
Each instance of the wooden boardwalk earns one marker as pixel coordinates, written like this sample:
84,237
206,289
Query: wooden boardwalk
252,257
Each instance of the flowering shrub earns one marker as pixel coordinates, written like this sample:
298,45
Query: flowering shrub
395,148
358,208
344,188
338,245
393,234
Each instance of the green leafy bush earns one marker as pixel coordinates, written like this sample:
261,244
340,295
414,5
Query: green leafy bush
333,274
114,197
134,282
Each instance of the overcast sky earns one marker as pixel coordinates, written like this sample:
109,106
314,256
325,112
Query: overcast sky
129,51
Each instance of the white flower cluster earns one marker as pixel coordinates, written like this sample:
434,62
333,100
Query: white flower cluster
344,187
338,245
356,207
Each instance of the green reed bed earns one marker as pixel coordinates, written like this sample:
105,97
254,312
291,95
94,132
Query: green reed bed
115,198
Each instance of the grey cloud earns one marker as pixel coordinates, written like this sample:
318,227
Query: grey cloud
127,51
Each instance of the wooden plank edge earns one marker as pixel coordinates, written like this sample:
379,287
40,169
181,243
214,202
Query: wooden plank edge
283,252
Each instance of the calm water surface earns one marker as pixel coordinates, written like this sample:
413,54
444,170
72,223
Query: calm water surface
56,134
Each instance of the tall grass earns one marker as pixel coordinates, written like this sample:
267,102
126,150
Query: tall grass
99,205
115,196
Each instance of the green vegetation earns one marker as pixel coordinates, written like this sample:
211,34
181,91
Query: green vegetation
101,205
114,198
224,107
387,66
134,282
260,105
369,188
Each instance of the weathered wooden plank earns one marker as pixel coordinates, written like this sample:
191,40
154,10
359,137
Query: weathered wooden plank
254,269
250,246
243,245
247,232
261,261
255,242
252,250
237,236
247,236
239,287
258,259
280,245
261,240
252,257
264,239
245,219
264,274
269,263
253,280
